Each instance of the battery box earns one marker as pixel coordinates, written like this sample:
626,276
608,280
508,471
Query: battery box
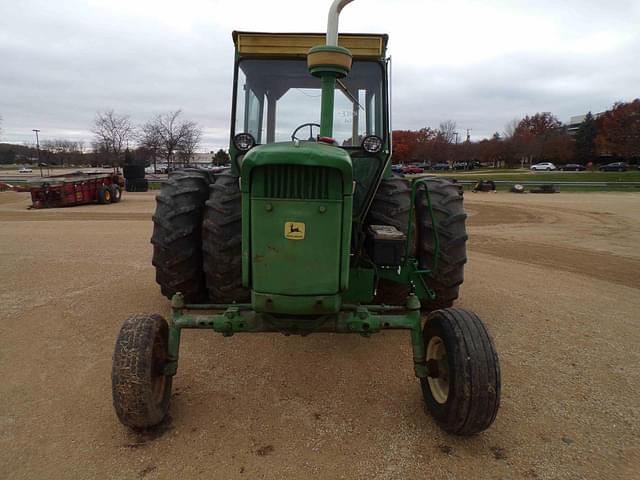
385,245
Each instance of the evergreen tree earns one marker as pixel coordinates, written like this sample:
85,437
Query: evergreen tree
585,139
221,157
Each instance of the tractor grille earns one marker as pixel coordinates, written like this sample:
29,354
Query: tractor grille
297,181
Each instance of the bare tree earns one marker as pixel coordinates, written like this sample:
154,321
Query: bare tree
510,128
190,141
175,136
64,151
151,140
112,131
448,130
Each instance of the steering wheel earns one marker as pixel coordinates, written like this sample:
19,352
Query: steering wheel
310,125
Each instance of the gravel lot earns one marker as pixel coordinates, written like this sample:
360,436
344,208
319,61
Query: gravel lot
555,277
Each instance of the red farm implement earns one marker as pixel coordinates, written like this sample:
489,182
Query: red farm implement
75,189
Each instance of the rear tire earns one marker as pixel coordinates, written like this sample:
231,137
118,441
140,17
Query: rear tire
222,241
448,211
391,206
177,235
141,392
462,391
116,193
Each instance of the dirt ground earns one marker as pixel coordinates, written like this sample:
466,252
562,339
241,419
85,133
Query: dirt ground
555,277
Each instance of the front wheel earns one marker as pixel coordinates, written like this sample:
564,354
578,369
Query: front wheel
141,391
462,389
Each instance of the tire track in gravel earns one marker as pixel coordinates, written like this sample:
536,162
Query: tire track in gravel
603,266
480,215
496,214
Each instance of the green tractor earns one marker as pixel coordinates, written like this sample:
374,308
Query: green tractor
309,231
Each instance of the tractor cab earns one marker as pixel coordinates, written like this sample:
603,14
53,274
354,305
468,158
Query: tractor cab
274,93
277,100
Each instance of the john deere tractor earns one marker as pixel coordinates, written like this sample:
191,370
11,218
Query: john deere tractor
309,231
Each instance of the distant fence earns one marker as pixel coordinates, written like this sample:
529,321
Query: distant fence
561,183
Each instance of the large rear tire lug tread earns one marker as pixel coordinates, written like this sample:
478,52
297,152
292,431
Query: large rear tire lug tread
222,241
460,217
177,234
449,214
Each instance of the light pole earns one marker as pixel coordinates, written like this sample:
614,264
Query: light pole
454,156
38,146
37,143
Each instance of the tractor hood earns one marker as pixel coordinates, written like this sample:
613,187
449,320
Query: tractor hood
310,154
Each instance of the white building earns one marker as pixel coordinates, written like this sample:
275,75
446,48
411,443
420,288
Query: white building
201,158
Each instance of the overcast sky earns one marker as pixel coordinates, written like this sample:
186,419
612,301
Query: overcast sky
479,63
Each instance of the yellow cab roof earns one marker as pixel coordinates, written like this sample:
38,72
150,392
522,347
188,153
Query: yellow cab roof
296,45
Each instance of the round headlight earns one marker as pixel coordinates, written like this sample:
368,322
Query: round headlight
244,141
372,144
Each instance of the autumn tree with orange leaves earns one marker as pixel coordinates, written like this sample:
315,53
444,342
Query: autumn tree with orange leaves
404,145
619,131
541,137
536,138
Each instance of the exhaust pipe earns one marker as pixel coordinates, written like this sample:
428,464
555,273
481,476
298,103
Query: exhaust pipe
329,62
332,21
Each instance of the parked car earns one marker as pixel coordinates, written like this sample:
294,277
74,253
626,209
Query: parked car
572,167
25,170
464,165
442,166
411,169
543,166
614,167
396,168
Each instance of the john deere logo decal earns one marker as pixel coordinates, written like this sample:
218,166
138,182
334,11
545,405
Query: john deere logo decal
294,230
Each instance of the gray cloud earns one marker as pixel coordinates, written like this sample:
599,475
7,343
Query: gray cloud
481,66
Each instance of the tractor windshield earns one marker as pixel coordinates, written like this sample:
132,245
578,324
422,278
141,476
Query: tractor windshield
274,97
